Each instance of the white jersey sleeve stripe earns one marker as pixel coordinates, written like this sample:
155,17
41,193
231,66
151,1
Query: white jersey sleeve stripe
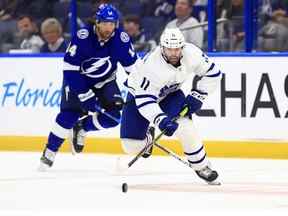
69,67
87,95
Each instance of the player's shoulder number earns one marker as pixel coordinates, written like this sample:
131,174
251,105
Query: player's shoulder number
145,83
71,49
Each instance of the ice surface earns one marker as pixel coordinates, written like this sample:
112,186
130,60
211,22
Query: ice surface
89,183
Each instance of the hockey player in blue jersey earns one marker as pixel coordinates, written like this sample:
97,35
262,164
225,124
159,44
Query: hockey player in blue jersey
155,98
90,64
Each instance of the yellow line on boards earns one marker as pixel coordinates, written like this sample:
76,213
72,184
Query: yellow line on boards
236,149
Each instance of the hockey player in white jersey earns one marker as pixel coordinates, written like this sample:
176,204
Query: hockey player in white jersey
155,98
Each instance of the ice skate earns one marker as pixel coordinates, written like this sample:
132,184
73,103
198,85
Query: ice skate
46,160
77,137
150,138
208,175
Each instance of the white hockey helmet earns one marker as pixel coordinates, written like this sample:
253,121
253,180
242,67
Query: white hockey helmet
172,38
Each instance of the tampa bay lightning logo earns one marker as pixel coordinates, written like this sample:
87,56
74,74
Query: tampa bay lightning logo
168,89
96,67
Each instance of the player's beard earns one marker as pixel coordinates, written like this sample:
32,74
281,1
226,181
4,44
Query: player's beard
104,35
174,60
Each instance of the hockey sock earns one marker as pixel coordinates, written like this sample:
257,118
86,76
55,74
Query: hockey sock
54,142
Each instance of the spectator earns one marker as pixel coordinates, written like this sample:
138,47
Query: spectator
95,4
274,35
7,8
184,21
201,2
28,34
131,25
7,24
267,7
164,8
223,31
279,4
158,8
235,14
51,31
37,8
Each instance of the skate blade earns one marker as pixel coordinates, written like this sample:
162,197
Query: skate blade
43,167
73,150
70,142
217,183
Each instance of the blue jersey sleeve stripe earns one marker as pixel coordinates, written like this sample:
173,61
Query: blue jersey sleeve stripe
145,104
146,96
214,75
211,67
159,115
126,84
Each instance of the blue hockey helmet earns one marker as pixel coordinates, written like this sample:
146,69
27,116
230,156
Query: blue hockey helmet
107,13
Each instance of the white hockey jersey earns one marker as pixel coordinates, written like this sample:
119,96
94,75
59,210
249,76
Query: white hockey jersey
154,78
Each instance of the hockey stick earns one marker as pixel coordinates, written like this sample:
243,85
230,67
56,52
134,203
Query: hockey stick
119,102
174,155
154,142
181,114
103,111
202,24
171,153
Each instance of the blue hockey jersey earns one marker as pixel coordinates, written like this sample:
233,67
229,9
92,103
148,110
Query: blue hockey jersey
90,63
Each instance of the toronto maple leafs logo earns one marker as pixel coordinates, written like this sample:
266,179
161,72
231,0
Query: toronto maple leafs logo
96,67
168,89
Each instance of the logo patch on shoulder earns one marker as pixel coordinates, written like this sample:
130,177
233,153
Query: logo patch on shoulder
124,37
82,33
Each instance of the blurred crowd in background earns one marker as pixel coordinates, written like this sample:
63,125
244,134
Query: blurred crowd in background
43,25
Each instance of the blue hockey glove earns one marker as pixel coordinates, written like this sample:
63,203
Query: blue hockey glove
195,100
89,101
168,126
90,104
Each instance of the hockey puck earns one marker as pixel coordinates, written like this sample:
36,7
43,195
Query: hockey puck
124,187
